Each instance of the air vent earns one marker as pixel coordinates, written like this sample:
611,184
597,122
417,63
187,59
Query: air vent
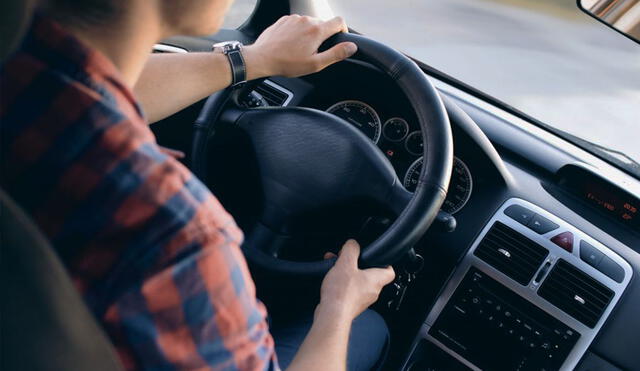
511,253
274,94
576,293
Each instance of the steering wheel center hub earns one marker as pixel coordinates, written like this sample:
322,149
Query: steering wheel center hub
308,159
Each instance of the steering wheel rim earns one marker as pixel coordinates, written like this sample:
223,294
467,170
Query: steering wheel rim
416,211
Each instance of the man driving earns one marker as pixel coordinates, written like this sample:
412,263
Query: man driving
155,256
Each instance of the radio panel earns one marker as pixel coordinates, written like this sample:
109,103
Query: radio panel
531,293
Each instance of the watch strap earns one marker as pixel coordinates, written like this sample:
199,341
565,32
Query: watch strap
238,67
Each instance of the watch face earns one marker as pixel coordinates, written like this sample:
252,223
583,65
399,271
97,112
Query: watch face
227,46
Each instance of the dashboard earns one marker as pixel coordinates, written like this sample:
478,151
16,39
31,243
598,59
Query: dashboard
540,298
498,165
544,321
545,318
363,100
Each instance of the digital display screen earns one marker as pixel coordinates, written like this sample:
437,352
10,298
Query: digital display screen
612,202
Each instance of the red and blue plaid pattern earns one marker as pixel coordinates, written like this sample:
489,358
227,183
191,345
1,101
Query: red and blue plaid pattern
154,254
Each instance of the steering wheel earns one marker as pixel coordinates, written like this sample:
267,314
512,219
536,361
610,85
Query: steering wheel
308,159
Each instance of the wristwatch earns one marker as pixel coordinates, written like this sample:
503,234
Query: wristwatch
233,51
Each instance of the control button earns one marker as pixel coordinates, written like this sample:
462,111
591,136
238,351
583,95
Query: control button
558,332
611,269
564,240
590,254
519,214
460,309
541,225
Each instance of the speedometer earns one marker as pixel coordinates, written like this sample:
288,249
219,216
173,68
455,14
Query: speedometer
360,115
460,187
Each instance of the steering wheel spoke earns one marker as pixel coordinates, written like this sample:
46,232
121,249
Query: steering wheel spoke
398,198
266,240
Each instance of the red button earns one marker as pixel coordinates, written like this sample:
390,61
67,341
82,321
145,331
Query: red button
564,240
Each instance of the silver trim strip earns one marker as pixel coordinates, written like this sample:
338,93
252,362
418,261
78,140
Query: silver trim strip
529,292
289,93
164,48
452,353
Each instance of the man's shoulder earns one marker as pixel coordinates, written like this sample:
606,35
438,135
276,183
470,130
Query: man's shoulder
66,139
44,109
30,84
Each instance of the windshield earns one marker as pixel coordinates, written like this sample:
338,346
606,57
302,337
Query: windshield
545,58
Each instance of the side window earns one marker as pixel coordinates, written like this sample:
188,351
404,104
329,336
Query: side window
239,12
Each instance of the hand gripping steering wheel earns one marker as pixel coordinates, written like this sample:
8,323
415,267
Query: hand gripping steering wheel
308,159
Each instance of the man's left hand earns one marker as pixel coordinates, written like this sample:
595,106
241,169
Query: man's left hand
290,47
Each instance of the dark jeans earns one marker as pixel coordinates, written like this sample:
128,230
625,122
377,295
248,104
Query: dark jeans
368,343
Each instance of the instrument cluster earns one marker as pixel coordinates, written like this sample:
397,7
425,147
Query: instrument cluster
401,141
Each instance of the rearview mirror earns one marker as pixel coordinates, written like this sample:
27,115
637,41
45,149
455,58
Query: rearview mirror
621,15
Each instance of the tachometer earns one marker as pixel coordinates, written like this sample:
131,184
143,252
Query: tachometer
460,187
360,115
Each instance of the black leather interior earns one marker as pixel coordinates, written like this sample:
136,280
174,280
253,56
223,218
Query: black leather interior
45,324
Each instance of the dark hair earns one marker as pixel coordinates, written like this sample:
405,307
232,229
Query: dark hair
83,12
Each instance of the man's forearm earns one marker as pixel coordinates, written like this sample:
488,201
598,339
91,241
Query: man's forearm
171,82
325,347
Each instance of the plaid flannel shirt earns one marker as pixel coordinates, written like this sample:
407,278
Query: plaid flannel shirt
153,253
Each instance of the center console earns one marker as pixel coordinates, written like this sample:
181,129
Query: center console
531,294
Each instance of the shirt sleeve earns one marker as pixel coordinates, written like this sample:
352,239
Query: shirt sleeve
190,303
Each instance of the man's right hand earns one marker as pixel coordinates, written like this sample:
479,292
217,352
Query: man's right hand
347,290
